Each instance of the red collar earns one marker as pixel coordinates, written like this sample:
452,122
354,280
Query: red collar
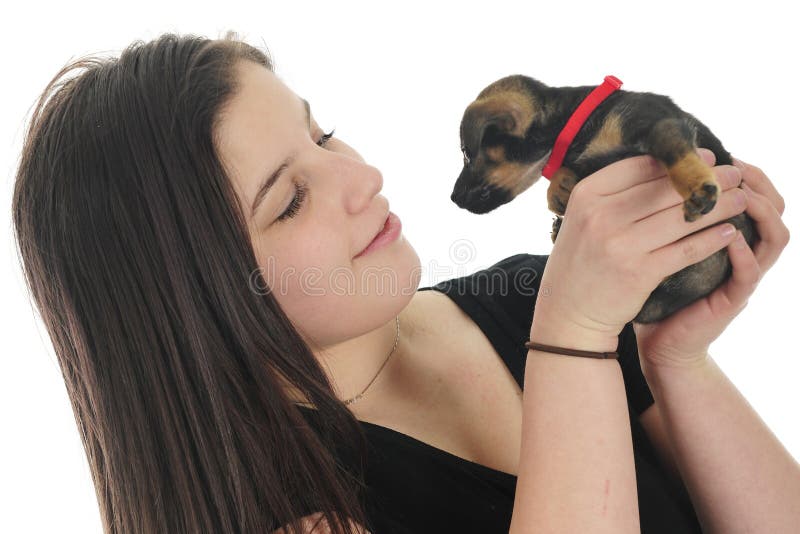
579,116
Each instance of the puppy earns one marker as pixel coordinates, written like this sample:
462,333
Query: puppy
509,132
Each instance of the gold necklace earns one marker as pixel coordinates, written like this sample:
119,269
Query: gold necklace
354,399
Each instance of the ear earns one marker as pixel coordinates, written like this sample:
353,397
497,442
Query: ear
501,111
504,111
508,121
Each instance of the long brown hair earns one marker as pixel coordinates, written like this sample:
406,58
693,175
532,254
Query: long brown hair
137,257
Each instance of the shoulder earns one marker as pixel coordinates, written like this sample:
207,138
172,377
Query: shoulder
520,273
510,284
496,302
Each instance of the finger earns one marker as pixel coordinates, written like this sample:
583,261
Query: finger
731,297
706,155
693,248
668,226
758,181
772,232
621,175
656,195
625,173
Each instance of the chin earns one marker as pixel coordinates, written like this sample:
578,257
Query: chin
395,268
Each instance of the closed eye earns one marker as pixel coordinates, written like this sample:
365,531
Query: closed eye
301,189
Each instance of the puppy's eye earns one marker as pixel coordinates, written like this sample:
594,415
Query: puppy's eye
466,156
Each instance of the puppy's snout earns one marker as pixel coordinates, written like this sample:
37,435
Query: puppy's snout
482,198
462,195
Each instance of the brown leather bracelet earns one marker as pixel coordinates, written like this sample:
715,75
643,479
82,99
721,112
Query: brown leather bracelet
571,352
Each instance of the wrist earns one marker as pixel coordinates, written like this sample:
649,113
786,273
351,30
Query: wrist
655,366
569,335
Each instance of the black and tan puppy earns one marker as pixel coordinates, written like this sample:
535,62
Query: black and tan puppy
508,134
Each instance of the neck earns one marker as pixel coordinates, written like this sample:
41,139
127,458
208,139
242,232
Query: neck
570,134
563,101
352,364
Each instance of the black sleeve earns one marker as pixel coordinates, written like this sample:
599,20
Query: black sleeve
639,395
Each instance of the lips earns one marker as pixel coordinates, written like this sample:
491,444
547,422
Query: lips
384,222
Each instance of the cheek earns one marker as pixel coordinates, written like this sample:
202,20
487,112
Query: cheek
311,292
303,272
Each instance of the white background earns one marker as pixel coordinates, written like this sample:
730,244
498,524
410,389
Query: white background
394,83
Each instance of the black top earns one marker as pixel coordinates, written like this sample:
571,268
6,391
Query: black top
417,488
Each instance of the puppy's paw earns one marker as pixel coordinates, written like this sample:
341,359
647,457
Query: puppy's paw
558,192
694,180
701,201
556,227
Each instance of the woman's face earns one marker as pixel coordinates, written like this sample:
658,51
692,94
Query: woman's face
308,260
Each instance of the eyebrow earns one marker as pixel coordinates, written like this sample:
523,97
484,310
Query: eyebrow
267,184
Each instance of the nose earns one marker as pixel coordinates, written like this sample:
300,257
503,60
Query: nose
363,182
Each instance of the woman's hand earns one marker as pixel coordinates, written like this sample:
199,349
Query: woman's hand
683,338
623,232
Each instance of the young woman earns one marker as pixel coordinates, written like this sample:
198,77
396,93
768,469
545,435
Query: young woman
202,256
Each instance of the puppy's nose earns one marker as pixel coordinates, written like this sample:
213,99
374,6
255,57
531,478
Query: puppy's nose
470,199
460,195
463,199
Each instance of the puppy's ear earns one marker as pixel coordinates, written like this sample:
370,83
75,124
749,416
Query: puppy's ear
504,113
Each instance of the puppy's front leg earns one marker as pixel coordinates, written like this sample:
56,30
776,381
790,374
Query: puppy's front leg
561,184
673,142
557,220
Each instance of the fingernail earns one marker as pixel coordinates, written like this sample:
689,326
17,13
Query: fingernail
727,230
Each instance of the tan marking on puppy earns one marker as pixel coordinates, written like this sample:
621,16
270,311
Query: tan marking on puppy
688,173
695,181
514,177
482,111
560,189
510,84
608,137
496,153
512,96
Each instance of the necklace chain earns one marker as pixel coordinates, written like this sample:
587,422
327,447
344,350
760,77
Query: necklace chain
396,338
357,397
